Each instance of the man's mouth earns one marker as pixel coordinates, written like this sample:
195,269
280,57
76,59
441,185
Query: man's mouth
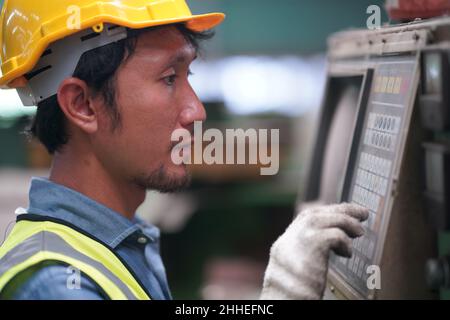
186,145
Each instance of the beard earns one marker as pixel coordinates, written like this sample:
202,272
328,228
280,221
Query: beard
162,181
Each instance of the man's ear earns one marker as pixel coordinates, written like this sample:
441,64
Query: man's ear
76,103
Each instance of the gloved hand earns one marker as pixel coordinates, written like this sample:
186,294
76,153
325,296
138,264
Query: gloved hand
298,261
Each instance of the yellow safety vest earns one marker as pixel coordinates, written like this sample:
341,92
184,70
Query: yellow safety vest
33,241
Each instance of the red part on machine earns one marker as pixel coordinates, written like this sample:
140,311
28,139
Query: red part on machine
407,10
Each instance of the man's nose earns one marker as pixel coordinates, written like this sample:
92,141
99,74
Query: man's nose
193,110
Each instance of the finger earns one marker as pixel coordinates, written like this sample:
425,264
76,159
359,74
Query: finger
352,227
351,209
338,241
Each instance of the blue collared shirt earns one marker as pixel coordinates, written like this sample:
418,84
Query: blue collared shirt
135,241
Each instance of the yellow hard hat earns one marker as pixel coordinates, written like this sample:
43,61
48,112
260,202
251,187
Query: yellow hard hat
28,27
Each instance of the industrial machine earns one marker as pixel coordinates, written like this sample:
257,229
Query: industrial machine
383,142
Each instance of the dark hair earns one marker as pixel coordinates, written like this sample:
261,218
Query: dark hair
97,68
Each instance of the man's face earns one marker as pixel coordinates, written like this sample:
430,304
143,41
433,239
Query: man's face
154,98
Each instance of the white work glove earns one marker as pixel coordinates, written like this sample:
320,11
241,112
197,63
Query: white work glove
298,261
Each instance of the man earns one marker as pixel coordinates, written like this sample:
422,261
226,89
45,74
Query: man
109,96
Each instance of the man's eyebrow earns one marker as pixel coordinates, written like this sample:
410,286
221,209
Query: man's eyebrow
181,57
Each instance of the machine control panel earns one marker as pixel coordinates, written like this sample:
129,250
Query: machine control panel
379,133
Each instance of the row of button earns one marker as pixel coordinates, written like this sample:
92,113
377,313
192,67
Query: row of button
388,84
383,122
377,165
366,198
358,266
379,140
371,182
365,246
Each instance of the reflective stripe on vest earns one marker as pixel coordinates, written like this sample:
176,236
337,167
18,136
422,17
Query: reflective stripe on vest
32,242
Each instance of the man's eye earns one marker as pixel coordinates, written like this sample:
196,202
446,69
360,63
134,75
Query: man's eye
170,80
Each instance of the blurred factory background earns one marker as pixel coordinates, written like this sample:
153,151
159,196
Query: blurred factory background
265,68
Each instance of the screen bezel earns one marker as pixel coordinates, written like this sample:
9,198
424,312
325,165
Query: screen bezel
312,182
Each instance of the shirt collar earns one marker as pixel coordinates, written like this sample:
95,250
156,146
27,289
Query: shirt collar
57,201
